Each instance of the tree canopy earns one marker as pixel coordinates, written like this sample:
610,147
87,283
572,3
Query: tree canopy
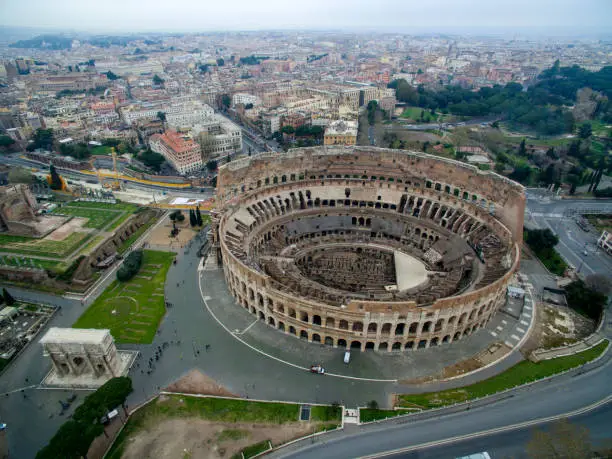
157,80
541,239
584,299
151,159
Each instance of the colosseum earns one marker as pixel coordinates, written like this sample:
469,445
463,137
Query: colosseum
367,248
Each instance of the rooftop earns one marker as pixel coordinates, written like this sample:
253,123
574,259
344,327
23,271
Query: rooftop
74,335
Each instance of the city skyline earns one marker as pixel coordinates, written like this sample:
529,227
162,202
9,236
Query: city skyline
565,17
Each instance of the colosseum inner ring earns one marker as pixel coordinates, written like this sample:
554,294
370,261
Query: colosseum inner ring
367,248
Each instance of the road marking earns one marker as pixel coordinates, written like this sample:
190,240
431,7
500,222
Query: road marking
496,430
515,337
246,329
499,328
528,307
276,358
524,322
504,322
493,333
520,330
20,389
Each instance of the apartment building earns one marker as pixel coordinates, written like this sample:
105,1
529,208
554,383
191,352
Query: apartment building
218,137
182,152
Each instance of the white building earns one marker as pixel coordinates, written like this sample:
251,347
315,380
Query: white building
243,98
218,137
605,242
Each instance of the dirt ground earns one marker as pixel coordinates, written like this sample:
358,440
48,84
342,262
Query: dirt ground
199,439
196,382
160,237
556,326
61,233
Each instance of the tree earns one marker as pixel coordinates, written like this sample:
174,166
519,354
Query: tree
203,68
564,440
226,100
599,283
585,131
522,151
6,141
161,116
157,80
8,298
540,239
56,181
192,218
152,159
130,267
584,299
43,138
220,62
373,405
211,165
198,216
111,76
574,149
248,106
288,129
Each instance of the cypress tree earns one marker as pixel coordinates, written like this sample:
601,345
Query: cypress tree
8,298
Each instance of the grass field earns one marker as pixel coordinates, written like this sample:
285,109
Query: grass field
218,410
369,415
101,150
414,113
521,373
138,304
100,215
41,247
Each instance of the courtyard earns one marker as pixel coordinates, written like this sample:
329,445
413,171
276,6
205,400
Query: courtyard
132,310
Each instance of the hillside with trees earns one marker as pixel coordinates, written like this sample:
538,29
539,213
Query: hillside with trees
544,107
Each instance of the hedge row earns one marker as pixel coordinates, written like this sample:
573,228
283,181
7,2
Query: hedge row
130,266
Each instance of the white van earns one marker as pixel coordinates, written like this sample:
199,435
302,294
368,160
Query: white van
347,357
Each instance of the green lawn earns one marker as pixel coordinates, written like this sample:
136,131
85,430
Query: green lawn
326,413
552,260
101,150
138,304
99,214
42,247
521,373
369,415
414,113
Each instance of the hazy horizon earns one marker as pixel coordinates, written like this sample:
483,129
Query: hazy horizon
491,17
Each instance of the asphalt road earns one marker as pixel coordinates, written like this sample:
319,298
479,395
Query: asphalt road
550,398
544,212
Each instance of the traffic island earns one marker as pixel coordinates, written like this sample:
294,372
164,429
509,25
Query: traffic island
523,373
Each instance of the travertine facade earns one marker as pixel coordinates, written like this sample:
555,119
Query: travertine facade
82,352
307,240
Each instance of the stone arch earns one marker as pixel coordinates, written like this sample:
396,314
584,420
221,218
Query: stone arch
422,344
426,327
369,346
303,334
446,339
292,329
292,313
434,342
316,319
409,345
280,308
316,338
462,318
358,326
355,344
372,327
329,341
330,322
439,325
383,346
452,321
397,346
457,336
386,329
414,327
341,342
281,326
343,324
399,329
303,316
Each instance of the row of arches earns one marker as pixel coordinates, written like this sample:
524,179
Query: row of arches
382,346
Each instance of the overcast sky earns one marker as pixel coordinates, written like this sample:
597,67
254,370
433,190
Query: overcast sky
393,15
